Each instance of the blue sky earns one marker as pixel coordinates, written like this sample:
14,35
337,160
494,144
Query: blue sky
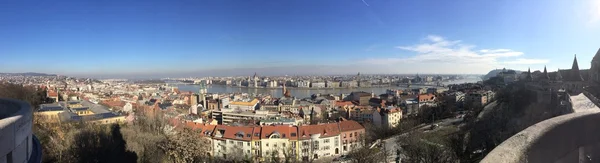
189,37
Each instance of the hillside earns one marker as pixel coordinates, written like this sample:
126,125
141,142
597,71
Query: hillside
495,73
27,74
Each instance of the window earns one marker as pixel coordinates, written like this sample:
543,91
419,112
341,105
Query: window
283,135
248,143
283,145
248,135
267,144
293,144
305,143
344,135
257,143
326,141
240,144
257,134
293,134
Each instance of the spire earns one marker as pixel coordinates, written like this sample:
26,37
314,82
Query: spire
575,75
575,65
529,78
546,73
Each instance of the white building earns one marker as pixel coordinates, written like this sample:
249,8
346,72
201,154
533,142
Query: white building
128,107
389,117
303,84
272,84
317,141
318,85
243,105
232,142
278,140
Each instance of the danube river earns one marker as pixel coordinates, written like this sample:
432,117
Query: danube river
301,93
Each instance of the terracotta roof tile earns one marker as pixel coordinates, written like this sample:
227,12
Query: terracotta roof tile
350,125
326,130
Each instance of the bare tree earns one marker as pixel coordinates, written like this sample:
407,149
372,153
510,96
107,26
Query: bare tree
419,150
185,147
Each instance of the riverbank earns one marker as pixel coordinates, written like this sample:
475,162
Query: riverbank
329,88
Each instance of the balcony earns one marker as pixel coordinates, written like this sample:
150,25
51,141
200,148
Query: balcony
573,137
17,139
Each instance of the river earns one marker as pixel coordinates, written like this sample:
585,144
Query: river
301,93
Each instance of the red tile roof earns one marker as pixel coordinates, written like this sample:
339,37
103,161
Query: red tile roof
288,132
426,97
350,125
326,130
343,103
235,132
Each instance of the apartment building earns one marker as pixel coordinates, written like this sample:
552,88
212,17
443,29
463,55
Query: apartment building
306,142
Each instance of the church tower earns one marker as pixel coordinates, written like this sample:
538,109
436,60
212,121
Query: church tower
255,80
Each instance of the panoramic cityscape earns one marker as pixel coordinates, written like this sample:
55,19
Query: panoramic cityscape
300,81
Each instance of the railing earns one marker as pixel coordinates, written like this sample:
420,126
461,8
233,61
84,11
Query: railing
573,137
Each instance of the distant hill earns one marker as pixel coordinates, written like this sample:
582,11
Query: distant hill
27,74
495,73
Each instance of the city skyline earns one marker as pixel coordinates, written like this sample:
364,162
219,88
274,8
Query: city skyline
179,39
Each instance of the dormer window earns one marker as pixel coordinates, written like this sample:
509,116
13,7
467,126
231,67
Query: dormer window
239,135
257,134
275,135
248,135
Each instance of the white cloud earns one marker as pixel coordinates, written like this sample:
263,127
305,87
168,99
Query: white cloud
437,50
522,61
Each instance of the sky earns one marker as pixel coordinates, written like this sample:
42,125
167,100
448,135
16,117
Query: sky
179,38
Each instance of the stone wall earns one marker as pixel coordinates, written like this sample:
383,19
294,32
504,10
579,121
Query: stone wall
15,132
568,138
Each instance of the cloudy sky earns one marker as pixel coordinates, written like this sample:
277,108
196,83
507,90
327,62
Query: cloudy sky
221,38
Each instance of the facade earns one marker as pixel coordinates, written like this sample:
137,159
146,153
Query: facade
306,142
333,84
349,84
318,85
229,117
426,99
389,117
303,84
317,141
476,99
232,141
352,135
361,97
